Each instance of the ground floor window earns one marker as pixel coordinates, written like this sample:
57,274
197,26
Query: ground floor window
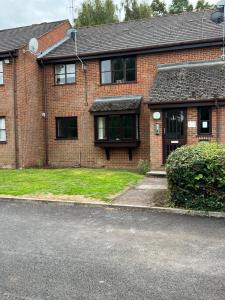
66,128
2,130
204,120
117,127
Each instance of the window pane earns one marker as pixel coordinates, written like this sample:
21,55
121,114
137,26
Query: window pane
114,127
60,79
70,78
2,136
1,78
130,75
127,126
205,120
130,63
60,69
101,128
106,77
70,68
118,76
117,64
67,127
2,123
1,66
106,65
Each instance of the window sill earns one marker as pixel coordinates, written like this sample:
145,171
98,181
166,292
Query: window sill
206,135
119,83
55,84
66,139
117,144
3,143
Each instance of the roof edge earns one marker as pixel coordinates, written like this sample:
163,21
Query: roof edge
190,64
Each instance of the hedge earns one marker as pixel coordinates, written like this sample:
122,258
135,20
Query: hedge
196,177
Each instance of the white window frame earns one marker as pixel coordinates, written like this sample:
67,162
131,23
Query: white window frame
3,138
1,73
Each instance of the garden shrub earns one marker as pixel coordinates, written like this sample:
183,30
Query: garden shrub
196,176
143,167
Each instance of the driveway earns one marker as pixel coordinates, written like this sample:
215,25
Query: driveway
51,251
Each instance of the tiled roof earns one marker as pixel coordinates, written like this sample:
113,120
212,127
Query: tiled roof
147,33
194,81
12,39
122,103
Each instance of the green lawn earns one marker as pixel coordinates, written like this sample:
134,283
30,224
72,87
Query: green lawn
94,183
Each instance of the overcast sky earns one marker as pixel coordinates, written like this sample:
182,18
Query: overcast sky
14,13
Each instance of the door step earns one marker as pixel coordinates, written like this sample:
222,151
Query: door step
156,174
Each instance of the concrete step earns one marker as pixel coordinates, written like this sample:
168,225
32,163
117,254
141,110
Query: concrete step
156,173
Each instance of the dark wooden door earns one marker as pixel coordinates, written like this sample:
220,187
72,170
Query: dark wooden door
175,130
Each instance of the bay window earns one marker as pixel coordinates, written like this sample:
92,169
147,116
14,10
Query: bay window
117,128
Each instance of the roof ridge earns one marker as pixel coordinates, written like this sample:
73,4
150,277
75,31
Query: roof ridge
37,24
148,18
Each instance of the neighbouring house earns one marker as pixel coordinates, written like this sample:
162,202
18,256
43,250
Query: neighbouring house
126,91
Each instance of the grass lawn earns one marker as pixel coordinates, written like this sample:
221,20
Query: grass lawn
94,183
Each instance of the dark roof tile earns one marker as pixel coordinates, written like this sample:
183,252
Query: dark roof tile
194,81
151,32
15,38
122,103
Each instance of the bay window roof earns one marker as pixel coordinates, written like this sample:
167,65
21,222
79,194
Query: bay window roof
117,104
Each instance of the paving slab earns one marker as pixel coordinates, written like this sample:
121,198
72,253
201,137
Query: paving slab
151,191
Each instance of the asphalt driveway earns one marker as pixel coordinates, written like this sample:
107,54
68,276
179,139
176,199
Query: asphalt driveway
51,251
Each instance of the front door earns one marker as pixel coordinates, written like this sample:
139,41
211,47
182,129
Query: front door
175,128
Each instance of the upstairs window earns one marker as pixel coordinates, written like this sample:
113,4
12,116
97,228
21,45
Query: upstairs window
66,128
204,120
116,128
118,70
2,130
1,73
65,73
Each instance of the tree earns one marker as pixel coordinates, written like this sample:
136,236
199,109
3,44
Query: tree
96,12
179,6
202,4
134,10
158,8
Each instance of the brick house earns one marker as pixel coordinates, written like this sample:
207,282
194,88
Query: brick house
125,92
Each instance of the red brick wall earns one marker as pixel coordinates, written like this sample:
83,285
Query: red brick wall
7,150
156,141
30,105
30,100
69,100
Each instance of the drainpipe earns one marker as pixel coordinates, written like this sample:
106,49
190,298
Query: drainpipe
45,115
217,121
15,112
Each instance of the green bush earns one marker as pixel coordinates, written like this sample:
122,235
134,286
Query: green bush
196,176
143,167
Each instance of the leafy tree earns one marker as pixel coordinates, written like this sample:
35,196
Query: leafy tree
96,12
158,8
179,6
134,10
202,4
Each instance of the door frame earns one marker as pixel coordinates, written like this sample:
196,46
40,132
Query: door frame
184,109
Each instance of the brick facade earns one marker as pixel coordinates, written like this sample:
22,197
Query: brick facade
36,93
69,100
25,98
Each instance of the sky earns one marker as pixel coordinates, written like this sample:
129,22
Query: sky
15,13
